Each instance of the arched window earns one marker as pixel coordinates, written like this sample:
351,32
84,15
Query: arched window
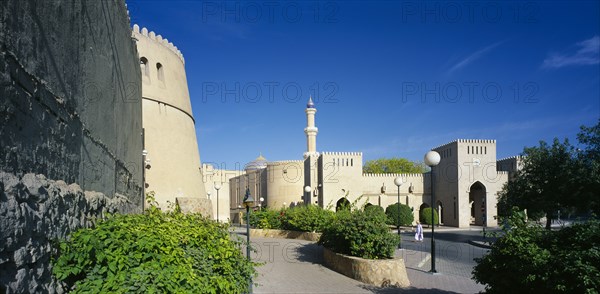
144,66
160,72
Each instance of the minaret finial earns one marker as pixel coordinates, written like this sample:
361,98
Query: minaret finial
310,103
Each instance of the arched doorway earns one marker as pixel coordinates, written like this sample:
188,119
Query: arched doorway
342,204
477,194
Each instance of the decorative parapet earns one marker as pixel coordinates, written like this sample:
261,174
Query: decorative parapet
284,162
159,39
469,141
516,157
411,175
342,153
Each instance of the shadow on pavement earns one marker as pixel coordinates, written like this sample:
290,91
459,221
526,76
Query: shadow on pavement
310,253
390,290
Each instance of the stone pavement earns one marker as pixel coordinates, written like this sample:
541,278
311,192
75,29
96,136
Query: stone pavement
296,266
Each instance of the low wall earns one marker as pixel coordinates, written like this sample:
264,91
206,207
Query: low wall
378,272
285,234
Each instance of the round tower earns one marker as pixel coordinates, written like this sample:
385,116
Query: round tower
311,130
169,126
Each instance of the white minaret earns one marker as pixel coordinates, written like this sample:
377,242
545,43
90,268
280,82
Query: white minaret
310,130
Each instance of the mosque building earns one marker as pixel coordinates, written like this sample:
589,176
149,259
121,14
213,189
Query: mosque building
467,181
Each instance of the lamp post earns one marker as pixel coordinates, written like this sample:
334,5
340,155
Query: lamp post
432,159
248,201
398,182
307,190
260,201
217,187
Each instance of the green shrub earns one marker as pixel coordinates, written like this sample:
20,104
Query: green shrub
406,215
154,252
374,207
425,216
528,258
266,219
306,218
360,233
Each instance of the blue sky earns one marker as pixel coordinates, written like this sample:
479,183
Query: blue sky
389,78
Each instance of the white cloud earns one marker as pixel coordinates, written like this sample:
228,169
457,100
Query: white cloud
474,56
587,54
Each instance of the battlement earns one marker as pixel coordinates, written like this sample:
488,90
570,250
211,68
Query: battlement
516,157
469,141
411,175
342,153
283,162
502,172
157,38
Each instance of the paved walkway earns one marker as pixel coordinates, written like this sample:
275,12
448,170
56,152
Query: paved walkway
296,266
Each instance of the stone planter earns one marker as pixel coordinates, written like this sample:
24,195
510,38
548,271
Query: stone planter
266,233
378,272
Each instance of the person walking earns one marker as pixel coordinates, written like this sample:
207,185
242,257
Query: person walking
419,232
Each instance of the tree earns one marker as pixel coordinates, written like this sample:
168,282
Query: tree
406,216
528,258
588,163
547,182
393,165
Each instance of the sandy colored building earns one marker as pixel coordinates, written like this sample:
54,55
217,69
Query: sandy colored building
173,168
467,181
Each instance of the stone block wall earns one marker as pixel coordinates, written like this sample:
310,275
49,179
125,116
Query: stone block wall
35,213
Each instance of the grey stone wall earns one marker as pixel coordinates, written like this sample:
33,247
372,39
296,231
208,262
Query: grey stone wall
70,112
35,212
70,91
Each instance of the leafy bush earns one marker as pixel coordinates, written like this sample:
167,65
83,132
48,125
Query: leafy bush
374,207
154,252
425,216
528,258
307,218
266,219
360,233
406,215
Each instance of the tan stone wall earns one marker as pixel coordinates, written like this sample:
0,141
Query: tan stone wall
285,183
213,176
378,272
170,136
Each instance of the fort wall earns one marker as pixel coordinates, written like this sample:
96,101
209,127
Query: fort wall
70,131
169,125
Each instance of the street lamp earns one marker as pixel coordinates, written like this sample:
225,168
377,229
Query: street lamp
248,201
398,182
432,159
217,187
307,190
260,201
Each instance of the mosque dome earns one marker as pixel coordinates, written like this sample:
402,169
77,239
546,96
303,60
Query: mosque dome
259,163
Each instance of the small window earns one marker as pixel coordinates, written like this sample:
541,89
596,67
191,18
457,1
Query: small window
351,162
160,72
468,149
144,66
346,161
485,150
